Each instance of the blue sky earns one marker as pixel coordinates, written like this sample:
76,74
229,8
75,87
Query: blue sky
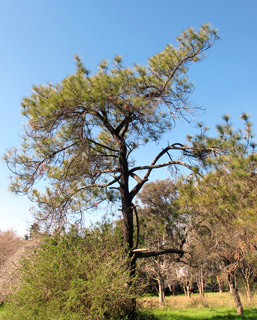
40,38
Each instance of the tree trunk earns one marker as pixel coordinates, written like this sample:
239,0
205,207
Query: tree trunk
127,212
188,289
200,283
161,290
172,289
220,283
234,291
248,289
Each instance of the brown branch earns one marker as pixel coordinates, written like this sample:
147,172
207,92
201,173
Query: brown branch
98,185
165,164
101,145
141,182
175,146
105,121
123,124
146,254
136,177
45,160
108,170
180,63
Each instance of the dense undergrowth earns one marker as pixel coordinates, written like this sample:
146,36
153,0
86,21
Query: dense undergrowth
73,277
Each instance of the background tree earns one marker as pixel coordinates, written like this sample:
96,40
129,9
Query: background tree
10,242
158,214
223,201
12,248
163,228
80,134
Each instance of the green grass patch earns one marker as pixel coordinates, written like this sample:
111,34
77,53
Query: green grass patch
2,312
204,314
213,306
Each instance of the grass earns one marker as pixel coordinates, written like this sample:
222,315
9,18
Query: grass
204,314
1,311
213,306
211,300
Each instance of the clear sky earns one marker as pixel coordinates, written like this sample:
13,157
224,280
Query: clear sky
40,38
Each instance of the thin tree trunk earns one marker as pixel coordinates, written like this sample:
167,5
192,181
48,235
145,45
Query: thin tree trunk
161,291
172,289
234,292
200,283
248,289
202,288
188,290
220,283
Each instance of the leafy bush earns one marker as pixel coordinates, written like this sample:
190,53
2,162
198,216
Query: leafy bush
74,277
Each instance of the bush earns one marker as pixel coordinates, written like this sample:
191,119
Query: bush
9,244
12,247
72,277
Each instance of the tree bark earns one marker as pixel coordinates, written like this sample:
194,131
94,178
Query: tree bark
220,284
188,289
248,289
234,291
172,289
127,209
128,223
161,290
200,283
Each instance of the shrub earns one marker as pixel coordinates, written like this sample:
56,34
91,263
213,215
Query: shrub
9,244
74,277
12,247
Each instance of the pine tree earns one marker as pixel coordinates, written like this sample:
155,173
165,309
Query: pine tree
81,133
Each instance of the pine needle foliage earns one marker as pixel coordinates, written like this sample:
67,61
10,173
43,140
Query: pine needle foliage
80,134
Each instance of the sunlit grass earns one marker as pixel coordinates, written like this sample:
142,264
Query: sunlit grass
209,301
204,314
1,311
213,306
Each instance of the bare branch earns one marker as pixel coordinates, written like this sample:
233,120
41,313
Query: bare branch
146,254
188,151
105,185
136,177
101,145
165,164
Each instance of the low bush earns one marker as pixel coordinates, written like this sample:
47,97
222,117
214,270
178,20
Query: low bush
73,277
